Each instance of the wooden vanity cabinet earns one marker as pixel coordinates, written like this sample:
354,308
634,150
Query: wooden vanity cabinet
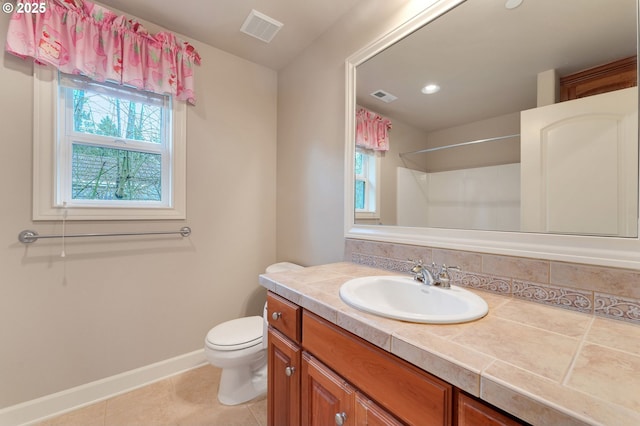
328,399
284,362
412,395
284,316
283,385
472,412
320,374
371,414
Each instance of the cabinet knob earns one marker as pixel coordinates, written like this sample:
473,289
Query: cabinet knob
289,371
276,315
341,418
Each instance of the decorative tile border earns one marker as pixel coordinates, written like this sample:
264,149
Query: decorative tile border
483,282
567,298
382,262
617,307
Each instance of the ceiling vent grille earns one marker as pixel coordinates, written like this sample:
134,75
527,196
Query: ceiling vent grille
261,26
384,96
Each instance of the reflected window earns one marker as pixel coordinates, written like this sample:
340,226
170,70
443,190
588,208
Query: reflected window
367,172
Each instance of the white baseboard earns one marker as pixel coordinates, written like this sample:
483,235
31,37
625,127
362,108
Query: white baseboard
79,396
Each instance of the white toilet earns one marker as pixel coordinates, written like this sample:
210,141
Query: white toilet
239,347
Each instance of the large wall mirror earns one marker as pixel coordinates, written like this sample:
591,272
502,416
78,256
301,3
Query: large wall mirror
512,127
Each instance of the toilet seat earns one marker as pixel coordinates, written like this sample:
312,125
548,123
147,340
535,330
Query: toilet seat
236,334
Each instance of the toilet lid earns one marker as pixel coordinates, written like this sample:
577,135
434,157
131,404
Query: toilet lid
236,334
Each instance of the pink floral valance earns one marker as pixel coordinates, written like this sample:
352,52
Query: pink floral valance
79,37
372,130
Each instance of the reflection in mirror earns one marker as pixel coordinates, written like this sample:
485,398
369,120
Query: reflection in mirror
532,126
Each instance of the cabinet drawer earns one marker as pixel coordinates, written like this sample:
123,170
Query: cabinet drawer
414,396
284,316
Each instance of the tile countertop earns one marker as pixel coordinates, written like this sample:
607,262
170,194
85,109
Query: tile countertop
545,365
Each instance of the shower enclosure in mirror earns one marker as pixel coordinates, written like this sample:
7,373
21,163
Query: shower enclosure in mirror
499,119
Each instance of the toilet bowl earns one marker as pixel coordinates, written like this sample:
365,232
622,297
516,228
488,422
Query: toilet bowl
239,348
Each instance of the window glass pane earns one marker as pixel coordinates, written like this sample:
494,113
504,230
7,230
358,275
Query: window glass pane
360,191
359,164
100,173
101,114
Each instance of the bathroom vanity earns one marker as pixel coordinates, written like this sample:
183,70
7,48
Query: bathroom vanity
351,381
330,363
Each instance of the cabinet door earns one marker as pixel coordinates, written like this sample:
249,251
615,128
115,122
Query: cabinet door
326,398
472,412
283,405
368,413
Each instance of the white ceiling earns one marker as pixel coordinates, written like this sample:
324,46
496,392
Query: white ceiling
568,35
218,22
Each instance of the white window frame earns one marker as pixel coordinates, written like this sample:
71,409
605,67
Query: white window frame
49,199
371,177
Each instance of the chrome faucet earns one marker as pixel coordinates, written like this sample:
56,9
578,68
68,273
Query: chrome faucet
424,274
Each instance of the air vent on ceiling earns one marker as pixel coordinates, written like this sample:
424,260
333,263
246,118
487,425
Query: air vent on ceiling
261,26
384,96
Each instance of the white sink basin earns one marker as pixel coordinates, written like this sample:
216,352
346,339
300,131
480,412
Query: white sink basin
403,298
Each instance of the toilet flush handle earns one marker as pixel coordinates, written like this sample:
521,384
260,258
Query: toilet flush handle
276,315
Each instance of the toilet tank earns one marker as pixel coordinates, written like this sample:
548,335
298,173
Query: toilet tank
283,266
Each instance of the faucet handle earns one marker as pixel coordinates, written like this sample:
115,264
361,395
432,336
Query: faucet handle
417,268
444,277
444,271
455,268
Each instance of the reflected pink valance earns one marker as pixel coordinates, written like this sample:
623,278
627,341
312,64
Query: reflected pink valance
372,130
79,37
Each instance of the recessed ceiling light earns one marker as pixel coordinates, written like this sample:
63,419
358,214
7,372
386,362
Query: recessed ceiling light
430,89
512,4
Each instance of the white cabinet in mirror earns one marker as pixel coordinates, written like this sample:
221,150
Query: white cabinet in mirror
533,185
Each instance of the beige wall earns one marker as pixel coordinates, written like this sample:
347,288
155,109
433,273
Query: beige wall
311,111
114,305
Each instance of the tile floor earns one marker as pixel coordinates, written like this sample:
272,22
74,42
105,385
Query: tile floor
185,399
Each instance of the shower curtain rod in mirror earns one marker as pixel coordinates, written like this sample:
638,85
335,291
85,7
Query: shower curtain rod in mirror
438,148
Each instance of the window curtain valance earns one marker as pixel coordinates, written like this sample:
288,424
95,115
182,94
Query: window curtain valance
372,130
79,37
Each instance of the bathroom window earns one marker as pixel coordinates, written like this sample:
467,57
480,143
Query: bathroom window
115,152
367,192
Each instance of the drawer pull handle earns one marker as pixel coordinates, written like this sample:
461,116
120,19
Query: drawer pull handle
276,315
341,418
289,371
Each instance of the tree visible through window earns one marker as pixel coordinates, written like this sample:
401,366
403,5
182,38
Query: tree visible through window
103,151
116,142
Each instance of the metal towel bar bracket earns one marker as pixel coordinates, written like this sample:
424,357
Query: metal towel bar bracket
27,236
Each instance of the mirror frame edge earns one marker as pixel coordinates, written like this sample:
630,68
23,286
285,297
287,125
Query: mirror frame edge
601,251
